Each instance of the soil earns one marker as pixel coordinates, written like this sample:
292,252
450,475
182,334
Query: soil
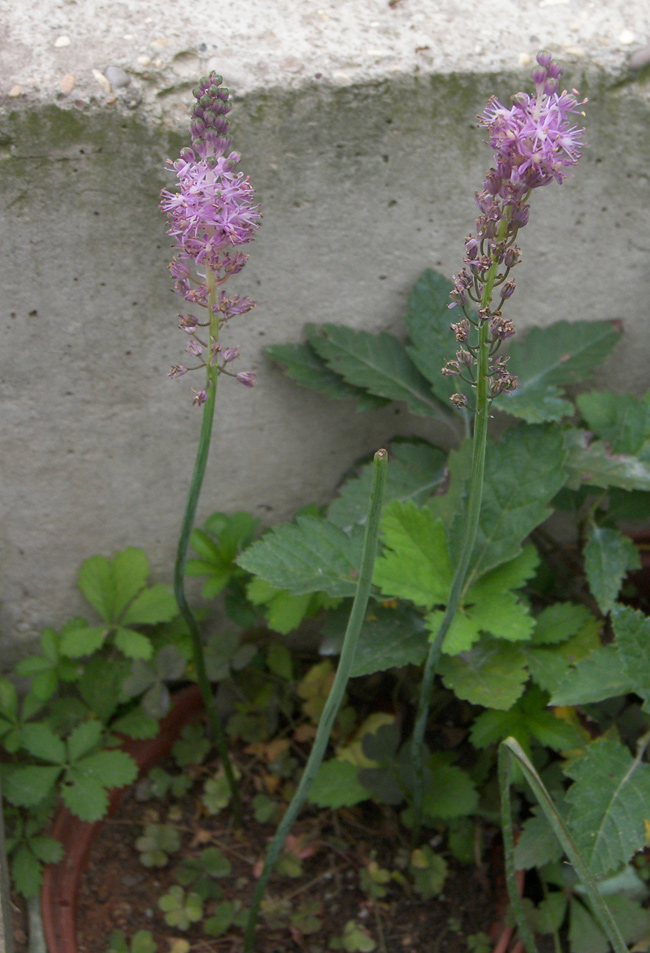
119,893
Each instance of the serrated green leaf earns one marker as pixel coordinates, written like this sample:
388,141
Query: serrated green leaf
26,871
414,563
87,799
284,612
560,622
378,363
601,675
109,585
100,685
47,849
585,936
552,357
537,844
389,638
608,557
82,641
523,472
622,420
416,470
43,743
510,575
548,664
428,319
106,769
528,719
451,792
592,463
28,786
136,724
301,363
632,630
83,739
337,785
491,674
609,802
502,616
133,644
309,555
97,583
152,605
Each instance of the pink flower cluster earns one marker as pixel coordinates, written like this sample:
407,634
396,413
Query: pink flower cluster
210,216
534,143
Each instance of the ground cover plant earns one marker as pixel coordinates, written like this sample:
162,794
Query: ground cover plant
489,652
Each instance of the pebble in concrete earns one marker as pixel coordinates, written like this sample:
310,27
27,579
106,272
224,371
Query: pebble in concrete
67,83
117,77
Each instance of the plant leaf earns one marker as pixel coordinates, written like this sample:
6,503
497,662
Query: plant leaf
134,645
428,319
152,605
28,786
416,470
42,742
109,585
610,805
450,793
378,363
622,420
414,564
608,557
599,676
309,555
301,363
82,641
523,472
632,630
548,358
337,785
83,739
491,674
592,463
389,638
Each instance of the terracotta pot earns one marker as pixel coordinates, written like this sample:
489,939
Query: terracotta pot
61,881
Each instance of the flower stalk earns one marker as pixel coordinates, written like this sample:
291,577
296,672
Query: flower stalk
335,697
534,144
211,214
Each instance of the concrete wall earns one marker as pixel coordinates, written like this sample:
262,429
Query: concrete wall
356,122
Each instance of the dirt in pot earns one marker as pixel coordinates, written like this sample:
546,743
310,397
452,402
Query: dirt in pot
343,881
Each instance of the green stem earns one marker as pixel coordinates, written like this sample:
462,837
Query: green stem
187,525
335,697
475,495
509,751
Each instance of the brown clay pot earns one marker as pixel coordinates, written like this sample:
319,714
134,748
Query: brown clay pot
61,881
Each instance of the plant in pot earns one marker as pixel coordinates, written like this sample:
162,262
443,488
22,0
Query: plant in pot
465,587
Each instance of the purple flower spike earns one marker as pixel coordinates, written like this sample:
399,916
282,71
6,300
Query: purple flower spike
211,215
534,143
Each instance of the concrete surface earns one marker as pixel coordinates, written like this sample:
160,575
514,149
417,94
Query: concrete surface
356,122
